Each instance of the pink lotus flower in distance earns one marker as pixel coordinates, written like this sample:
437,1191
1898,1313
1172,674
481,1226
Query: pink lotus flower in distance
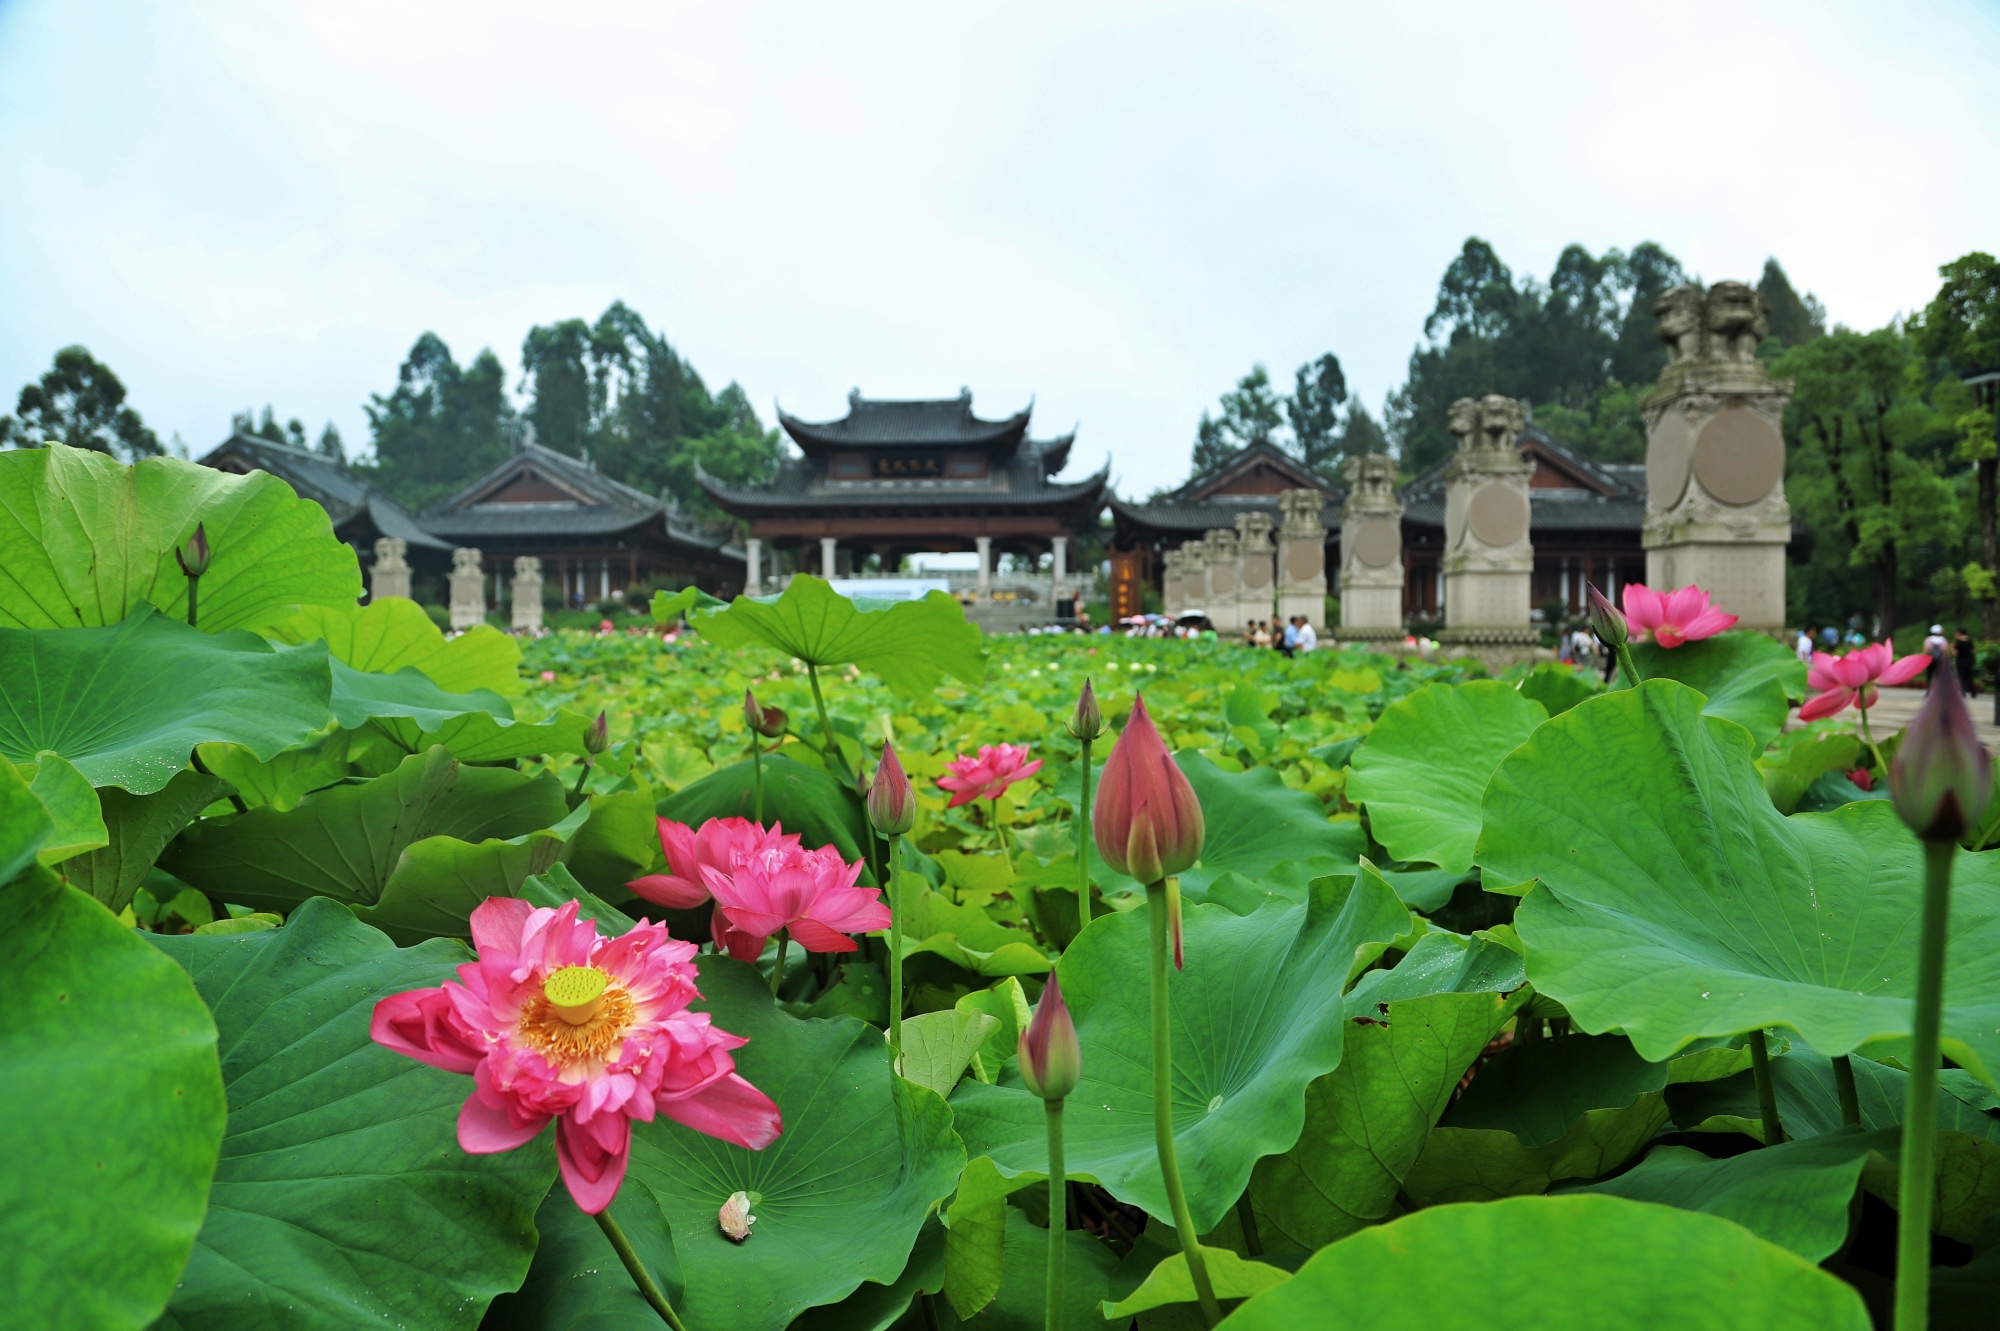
722,843
1680,616
554,1021
808,893
987,775
1853,679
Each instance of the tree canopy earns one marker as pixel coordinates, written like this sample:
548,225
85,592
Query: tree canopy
442,425
79,402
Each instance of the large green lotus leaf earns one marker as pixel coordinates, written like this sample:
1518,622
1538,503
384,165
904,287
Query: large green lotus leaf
1231,1277
577,1282
481,737
115,1111
342,1198
348,842
139,827
1676,903
1253,822
1541,1263
618,841
1247,1039
126,703
1022,1304
963,934
839,1197
282,780
1558,687
1426,763
1748,678
805,799
1809,1103
76,818
878,1307
910,644
386,636
1791,768
84,539
25,824
360,696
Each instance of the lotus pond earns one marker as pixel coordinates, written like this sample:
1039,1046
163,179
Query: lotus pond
1384,993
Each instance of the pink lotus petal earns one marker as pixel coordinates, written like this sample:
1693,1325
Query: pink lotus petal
1904,670
592,1170
1826,704
664,889
483,1130
730,1109
1644,607
816,937
418,1023
498,923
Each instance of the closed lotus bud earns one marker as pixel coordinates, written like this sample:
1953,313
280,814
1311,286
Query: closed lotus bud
194,553
1941,777
1051,1059
770,722
892,805
1086,722
598,738
1605,620
1147,820
735,1218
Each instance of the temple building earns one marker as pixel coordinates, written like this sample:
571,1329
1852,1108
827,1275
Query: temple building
899,477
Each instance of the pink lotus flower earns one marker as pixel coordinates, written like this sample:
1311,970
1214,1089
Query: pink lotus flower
810,894
555,1021
722,843
1854,678
1680,616
987,776
1863,778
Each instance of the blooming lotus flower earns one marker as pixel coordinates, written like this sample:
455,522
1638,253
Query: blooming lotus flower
722,843
1854,678
1050,1058
987,776
808,893
554,1021
1147,820
1941,777
1680,616
892,805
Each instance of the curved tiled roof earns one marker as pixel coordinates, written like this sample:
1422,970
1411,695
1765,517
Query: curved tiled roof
801,483
910,423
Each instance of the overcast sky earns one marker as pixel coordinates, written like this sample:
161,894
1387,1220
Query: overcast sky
1114,209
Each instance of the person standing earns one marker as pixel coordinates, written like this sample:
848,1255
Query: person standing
1803,648
1291,639
1937,649
1965,659
1307,638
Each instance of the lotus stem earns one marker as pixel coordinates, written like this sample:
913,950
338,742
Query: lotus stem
1767,1092
895,961
1058,1215
1913,1198
194,581
778,967
1850,1097
1163,1108
1253,1242
834,761
635,1268
582,774
757,775
1000,833
1627,668
1083,847
1868,738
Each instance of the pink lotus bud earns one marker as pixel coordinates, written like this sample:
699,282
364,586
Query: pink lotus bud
1605,620
1086,722
1051,1059
598,738
735,1218
892,805
770,722
1147,820
1941,776
194,554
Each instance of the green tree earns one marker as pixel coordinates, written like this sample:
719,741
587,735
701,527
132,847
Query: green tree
442,426
1252,413
331,445
78,402
1314,412
1795,319
1360,435
1961,328
246,423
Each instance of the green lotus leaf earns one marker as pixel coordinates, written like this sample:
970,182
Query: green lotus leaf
1231,1277
482,737
126,703
842,1193
1748,678
76,818
577,1282
1558,687
1572,1261
670,606
805,799
1253,824
342,1198
1022,1302
138,827
1675,903
876,1306
1792,767
1426,763
910,644
1247,1040
389,635
25,824
280,781
361,696
85,539
117,1109
939,1046
963,934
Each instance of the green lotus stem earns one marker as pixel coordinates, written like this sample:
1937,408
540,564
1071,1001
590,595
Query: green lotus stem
582,774
1253,1242
1083,846
757,775
833,758
1850,1097
778,969
1881,768
1913,1197
895,962
1767,1093
1163,1108
194,581
637,1270
1000,833
1058,1216
1627,668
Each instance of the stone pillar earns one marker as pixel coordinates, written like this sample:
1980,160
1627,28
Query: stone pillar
468,588
1716,514
827,558
1488,556
1170,582
1220,543
1254,584
390,574
1371,552
1194,575
527,590
985,544
753,567
1059,558
1302,557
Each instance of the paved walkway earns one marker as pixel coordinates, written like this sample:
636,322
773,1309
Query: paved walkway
1894,708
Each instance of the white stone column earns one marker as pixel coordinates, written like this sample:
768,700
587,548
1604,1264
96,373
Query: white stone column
527,590
1220,543
826,550
1194,575
1059,548
753,567
1301,557
1489,558
1716,514
1171,564
390,574
1254,590
468,589
1371,552
985,544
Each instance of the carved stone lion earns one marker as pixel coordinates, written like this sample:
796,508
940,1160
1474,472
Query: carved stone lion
1738,319
1679,315
465,559
1490,423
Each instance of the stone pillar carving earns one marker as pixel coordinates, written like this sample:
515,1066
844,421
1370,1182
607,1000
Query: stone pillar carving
1220,546
1716,514
1255,590
468,588
827,557
527,592
1194,575
1488,556
1371,552
985,544
1302,557
390,574
753,567
1170,582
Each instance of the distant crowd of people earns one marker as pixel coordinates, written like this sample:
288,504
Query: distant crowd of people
1294,636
